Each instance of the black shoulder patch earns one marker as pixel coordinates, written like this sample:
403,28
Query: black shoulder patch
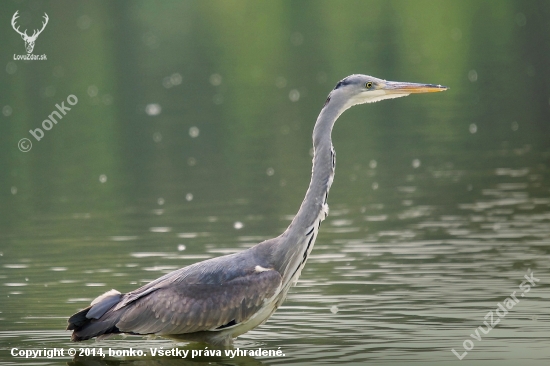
342,82
230,324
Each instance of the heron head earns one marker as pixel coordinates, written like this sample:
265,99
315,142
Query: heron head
359,89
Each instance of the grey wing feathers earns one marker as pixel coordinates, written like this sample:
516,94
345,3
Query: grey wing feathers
185,308
212,271
96,310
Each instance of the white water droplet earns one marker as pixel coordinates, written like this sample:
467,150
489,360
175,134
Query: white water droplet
416,163
270,171
189,197
373,164
215,79
167,83
334,309
181,247
153,109
238,225
160,201
294,95
103,178
280,82
13,190
521,20
11,68
473,128
7,110
175,79
194,132
92,91
83,22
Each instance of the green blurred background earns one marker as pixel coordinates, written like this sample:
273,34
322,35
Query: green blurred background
194,118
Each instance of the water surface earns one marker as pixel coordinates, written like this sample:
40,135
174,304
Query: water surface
191,139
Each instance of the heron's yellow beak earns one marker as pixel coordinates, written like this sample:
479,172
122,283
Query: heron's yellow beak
396,87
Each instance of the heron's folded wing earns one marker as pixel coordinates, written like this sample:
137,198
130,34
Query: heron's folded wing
184,308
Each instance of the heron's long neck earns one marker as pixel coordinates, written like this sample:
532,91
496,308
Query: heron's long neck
322,174
300,235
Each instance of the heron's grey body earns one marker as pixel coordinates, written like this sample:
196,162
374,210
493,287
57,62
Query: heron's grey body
219,299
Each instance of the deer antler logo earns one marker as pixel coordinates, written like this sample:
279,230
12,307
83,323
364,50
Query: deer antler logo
29,40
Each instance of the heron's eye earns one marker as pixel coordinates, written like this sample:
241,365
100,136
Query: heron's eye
368,85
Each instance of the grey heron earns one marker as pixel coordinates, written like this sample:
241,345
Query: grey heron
218,299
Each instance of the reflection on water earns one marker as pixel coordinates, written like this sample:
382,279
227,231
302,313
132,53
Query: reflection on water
192,139
398,276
